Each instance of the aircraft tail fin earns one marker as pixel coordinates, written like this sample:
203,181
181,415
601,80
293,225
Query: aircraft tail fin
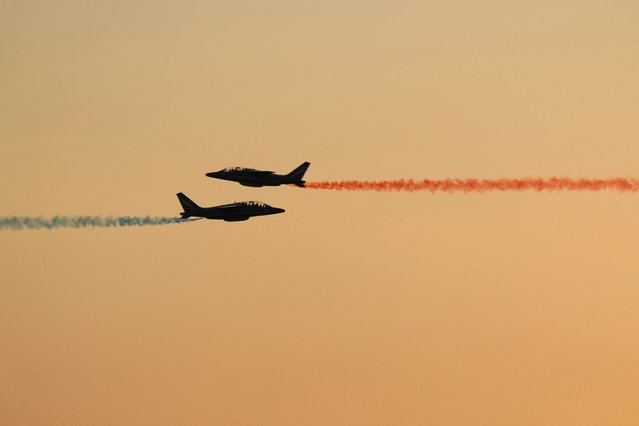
298,174
188,205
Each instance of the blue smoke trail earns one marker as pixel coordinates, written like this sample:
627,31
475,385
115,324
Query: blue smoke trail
26,222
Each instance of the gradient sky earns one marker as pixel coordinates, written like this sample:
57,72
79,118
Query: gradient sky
350,308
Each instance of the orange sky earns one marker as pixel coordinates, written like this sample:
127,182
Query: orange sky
350,308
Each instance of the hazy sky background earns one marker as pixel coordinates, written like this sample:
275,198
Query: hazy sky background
350,308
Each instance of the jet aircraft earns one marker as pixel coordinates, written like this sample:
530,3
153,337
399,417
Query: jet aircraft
259,178
229,212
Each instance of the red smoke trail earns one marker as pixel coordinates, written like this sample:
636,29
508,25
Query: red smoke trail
482,185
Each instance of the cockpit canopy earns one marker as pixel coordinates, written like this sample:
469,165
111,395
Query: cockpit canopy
242,169
236,169
253,204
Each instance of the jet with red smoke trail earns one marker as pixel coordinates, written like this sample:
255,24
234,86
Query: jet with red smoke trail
234,212
259,178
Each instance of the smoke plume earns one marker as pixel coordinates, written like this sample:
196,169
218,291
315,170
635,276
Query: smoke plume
26,222
483,185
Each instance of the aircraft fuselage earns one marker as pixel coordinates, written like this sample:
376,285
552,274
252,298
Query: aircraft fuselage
234,212
259,178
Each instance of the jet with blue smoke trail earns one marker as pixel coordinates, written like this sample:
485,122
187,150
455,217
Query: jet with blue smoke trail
234,212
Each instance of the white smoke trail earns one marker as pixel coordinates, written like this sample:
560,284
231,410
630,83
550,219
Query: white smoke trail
27,222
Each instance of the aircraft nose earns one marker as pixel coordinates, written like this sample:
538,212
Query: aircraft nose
278,210
212,174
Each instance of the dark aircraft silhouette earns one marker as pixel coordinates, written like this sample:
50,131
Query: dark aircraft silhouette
258,178
229,212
